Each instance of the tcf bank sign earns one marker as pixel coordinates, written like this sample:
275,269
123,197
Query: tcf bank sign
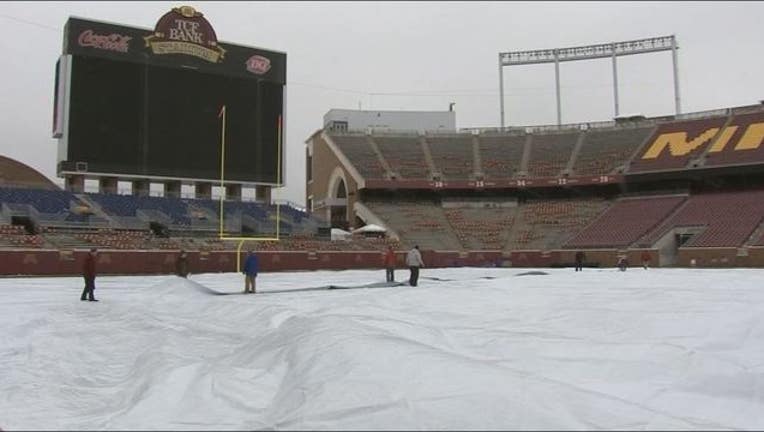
183,30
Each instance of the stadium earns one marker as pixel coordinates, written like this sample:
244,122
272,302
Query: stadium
498,336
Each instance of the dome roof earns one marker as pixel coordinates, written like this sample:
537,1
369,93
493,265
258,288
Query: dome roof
13,172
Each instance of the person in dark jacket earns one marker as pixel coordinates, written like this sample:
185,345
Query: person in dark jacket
89,273
250,272
580,257
181,266
623,263
389,263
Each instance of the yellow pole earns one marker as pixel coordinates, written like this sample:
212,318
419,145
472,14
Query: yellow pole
238,256
278,178
222,167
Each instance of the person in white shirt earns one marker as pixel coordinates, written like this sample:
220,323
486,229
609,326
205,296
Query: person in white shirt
414,261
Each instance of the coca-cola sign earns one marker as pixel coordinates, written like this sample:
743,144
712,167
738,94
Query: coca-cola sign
185,31
258,64
110,42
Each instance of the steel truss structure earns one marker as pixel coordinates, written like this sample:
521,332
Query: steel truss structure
590,52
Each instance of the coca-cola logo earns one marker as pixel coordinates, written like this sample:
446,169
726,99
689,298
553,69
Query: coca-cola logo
258,64
111,42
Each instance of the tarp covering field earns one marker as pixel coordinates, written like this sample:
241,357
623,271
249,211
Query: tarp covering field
466,349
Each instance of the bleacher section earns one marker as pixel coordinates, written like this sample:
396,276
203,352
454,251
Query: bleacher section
404,154
51,204
745,146
550,153
482,228
674,144
728,219
501,155
129,205
625,222
357,149
604,150
417,223
548,224
452,156
14,236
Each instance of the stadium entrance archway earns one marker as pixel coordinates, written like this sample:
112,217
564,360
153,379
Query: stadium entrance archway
337,200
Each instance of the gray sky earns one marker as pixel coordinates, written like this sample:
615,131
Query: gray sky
416,55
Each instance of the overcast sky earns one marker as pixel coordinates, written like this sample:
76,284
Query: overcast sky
416,56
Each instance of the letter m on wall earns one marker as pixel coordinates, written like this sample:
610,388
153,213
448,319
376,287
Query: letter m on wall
677,143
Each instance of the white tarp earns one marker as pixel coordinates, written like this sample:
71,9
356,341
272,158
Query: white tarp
371,228
476,349
339,234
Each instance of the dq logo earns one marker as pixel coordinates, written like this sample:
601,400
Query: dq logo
258,65
678,144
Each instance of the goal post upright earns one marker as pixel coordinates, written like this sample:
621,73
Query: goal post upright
242,239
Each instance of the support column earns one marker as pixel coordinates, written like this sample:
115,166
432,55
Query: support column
677,100
107,185
557,86
233,192
203,190
172,189
615,81
75,183
263,194
141,187
501,91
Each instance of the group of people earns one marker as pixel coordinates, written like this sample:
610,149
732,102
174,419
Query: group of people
622,264
413,261
251,267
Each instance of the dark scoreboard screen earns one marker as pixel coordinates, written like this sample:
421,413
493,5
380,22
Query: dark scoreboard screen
132,118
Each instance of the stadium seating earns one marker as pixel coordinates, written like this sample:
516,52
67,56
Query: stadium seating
550,153
482,228
452,156
739,150
419,223
674,144
129,205
404,154
14,236
728,219
358,150
604,150
548,224
625,222
501,155
48,202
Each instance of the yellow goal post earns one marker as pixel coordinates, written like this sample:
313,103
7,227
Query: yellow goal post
221,234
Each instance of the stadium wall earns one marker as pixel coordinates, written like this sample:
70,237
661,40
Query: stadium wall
35,262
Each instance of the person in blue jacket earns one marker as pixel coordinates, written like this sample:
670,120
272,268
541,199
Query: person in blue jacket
250,272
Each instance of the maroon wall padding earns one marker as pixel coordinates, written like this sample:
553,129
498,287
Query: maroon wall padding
36,262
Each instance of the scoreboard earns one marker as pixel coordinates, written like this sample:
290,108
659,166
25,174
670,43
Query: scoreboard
136,103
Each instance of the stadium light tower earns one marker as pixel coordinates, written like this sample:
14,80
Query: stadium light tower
590,52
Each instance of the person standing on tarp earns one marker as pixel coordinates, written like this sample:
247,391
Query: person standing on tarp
645,259
181,266
389,263
414,261
580,257
89,273
251,265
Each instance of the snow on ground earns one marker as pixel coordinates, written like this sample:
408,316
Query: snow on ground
477,349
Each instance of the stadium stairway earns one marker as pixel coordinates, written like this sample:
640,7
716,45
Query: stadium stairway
96,209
